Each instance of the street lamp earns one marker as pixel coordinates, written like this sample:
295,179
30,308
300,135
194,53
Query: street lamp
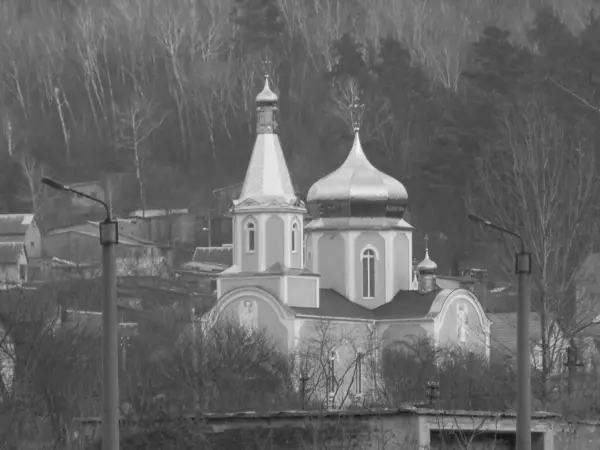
573,354
523,270
109,238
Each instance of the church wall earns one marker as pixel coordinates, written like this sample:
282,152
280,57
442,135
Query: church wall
302,291
402,262
271,284
332,254
274,246
262,316
449,333
375,241
405,333
319,337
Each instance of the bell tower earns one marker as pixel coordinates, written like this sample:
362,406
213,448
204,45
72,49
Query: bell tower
267,217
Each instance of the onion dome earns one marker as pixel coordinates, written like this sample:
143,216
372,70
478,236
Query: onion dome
357,189
266,95
427,265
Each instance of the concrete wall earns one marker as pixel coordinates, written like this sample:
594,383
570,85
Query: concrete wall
272,284
275,240
402,261
33,241
11,273
302,291
331,256
402,429
319,338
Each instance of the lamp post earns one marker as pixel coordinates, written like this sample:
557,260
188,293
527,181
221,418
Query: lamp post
573,354
523,270
110,345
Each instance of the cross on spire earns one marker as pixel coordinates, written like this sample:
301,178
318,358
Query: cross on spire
356,113
426,242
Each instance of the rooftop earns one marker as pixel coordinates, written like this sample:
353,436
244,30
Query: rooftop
15,224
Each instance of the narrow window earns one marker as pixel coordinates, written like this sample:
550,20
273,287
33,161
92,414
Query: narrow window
23,273
368,264
250,237
359,357
295,237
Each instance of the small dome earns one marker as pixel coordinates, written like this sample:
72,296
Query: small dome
427,265
357,189
267,95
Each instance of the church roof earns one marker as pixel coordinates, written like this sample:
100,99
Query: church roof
267,176
405,305
334,304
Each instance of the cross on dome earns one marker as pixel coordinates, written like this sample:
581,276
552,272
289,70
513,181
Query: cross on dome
357,110
267,66
427,265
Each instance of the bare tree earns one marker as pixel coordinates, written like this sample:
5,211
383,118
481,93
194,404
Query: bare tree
139,119
56,367
540,179
32,191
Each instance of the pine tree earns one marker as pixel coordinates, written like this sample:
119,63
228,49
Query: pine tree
261,25
349,60
498,65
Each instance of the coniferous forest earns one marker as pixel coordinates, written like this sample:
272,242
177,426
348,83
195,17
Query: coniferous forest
487,105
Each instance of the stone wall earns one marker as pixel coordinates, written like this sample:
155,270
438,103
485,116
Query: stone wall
404,428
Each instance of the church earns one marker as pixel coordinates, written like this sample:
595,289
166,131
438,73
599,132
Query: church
346,276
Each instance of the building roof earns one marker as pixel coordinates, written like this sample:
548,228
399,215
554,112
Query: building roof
405,305
10,252
504,330
152,213
92,229
334,304
15,225
215,255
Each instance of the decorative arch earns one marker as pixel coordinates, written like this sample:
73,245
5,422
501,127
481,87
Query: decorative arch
282,311
368,257
250,234
444,301
440,306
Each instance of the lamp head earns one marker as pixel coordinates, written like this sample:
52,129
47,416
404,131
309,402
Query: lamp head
479,220
54,184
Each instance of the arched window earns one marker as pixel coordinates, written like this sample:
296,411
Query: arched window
295,237
368,266
250,237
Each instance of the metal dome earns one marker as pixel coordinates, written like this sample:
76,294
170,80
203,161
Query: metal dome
427,265
267,95
357,189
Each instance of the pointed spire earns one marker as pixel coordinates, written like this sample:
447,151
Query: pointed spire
267,178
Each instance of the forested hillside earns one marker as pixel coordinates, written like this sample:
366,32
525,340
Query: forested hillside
164,90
